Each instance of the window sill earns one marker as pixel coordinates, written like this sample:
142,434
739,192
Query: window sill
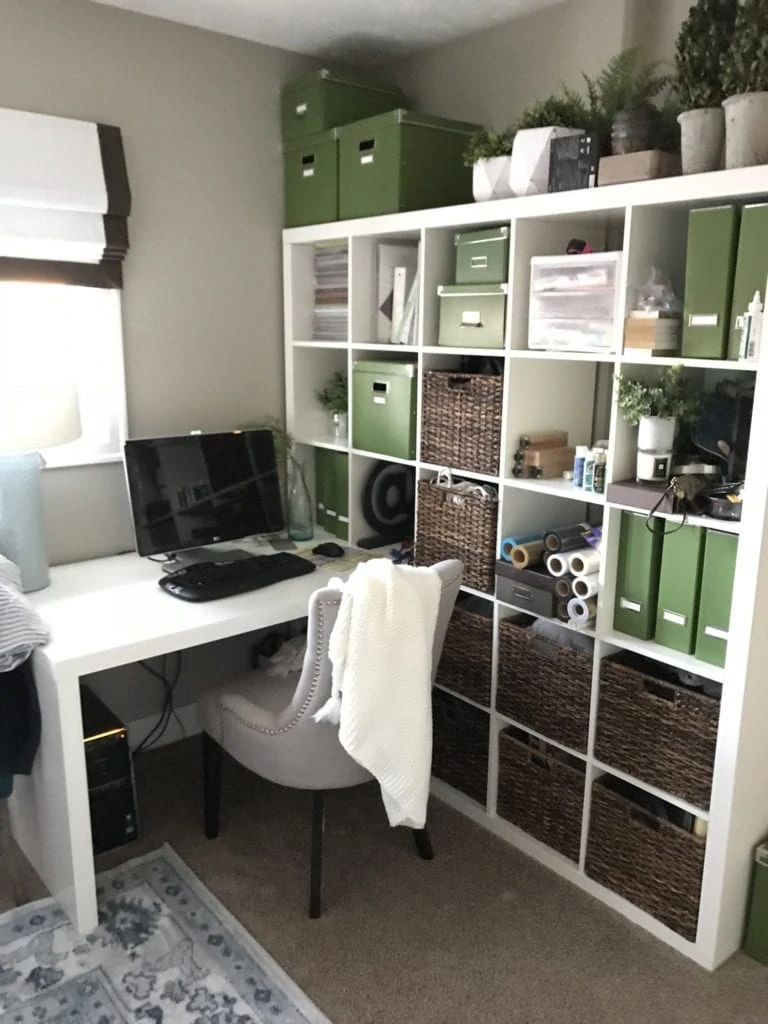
73,462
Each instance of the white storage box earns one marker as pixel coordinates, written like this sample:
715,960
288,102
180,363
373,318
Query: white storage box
574,302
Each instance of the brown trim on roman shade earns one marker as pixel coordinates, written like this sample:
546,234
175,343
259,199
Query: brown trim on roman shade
108,274
115,170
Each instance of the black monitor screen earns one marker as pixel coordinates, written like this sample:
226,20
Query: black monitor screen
202,488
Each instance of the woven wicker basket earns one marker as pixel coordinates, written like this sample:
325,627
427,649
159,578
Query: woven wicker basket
649,861
461,421
450,524
465,664
656,730
542,795
544,685
460,745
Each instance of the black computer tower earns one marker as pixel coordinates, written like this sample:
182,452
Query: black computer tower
109,766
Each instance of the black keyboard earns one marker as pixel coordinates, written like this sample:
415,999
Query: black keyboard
207,581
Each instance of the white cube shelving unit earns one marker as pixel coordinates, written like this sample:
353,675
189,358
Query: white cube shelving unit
574,391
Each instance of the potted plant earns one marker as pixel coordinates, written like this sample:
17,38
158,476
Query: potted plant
333,398
704,35
658,407
621,101
547,119
488,155
744,71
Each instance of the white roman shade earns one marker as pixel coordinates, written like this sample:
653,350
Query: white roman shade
64,200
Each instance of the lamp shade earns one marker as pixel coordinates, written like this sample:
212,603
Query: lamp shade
37,414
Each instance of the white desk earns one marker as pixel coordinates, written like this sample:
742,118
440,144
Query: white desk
104,613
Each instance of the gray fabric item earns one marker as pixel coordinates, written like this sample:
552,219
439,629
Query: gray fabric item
21,628
266,723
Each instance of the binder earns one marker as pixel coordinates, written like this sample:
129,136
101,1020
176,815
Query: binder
679,588
637,579
711,259
716,595
341,494
751,268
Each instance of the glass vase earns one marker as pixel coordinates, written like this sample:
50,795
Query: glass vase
299,504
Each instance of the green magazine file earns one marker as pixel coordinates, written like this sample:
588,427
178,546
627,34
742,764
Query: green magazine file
320,487
756,937
341,491
712,238
637,580
716,595
751,268
679,587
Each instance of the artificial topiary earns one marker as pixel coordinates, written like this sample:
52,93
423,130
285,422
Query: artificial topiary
744,65
704,37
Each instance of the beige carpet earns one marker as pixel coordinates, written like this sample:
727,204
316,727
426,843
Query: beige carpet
481,935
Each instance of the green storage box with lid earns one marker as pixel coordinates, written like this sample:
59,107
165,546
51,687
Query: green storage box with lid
472,315
323,99
384,407
311,179
402,161
751,269
482,257
716,594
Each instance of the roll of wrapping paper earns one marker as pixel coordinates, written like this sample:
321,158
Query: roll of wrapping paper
581,613
525,555
584,562
564,587
557,565
585,586
562,611
505,550
566,538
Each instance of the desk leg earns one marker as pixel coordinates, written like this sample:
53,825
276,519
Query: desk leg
50,816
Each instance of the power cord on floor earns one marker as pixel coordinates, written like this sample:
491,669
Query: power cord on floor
168,710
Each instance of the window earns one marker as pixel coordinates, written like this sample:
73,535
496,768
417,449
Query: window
77,331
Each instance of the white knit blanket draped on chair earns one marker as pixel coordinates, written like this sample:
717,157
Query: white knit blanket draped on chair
381,653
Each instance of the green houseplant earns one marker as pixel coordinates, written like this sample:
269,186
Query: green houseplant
657,406
333,398
704,36
744,70
488,155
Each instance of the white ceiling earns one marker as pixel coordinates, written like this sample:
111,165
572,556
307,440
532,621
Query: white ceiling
360,31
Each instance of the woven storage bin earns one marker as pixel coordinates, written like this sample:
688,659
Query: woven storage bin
543,684
460,745
656,730
651,862
461,421
465,664
450,524
541,794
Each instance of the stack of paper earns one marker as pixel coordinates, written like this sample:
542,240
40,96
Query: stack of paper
330,313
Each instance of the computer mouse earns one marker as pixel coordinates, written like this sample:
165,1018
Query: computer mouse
328,550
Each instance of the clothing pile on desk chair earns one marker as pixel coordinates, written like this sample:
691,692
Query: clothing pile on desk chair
381,652
21,631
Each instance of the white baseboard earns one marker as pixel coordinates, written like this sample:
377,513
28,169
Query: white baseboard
143,726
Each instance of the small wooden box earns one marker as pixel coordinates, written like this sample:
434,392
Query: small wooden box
651,163
652,334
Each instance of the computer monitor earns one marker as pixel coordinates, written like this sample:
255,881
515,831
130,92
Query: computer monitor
202,489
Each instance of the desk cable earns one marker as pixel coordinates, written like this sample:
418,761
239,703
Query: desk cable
168,710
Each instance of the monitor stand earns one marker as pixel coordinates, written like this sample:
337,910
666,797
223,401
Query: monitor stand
191,556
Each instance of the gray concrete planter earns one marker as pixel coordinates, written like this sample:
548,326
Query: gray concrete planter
746,129
702,139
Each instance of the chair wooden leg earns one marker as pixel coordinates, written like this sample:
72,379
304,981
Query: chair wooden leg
212,758
316,862
423,843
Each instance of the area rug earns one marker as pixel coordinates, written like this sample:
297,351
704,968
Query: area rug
165,952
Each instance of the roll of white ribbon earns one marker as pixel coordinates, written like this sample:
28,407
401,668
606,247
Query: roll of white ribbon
583,562
586,586
581,613
557,565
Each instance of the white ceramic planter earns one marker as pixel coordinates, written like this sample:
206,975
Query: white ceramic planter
746,129
656,433
490,179
529,164
340,425
702,139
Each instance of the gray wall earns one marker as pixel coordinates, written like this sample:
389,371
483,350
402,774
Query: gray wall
489,77
202,299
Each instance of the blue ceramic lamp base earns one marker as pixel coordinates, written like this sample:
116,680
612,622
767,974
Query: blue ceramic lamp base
22,537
